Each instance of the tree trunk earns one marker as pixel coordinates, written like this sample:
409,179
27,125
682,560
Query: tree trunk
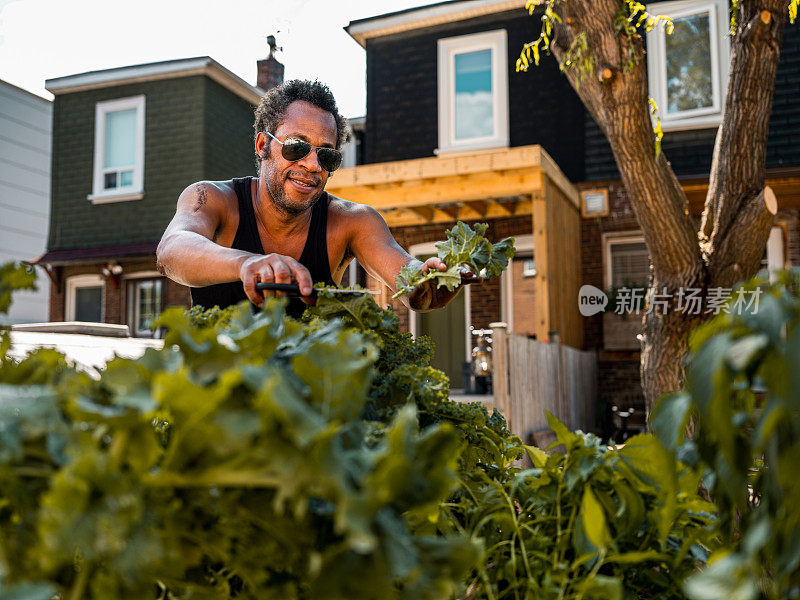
738,211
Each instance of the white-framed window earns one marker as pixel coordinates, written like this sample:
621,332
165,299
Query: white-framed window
146,299
626,260
118,150
688,70
473,91
85,296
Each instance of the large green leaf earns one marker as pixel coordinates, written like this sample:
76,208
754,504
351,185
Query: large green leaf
670,417
594,521
655,466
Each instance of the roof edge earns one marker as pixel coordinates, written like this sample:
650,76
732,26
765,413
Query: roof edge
426,16
32,95
184,67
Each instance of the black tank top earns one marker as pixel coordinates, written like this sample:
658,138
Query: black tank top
314,256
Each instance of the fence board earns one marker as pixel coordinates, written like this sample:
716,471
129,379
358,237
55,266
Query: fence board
546,377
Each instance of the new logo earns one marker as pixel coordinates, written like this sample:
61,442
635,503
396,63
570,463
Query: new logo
591,300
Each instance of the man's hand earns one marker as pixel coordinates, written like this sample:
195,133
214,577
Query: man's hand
273,268
428,296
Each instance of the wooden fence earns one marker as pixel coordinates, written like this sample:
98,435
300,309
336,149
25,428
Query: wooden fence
532,377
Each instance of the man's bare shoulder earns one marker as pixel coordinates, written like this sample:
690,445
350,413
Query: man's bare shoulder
207,194
339,207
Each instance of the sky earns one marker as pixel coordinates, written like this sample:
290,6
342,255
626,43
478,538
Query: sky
43,39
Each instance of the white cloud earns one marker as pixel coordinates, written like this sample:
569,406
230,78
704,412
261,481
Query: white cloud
474,115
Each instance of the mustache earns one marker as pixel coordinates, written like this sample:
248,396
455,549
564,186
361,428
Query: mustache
305,177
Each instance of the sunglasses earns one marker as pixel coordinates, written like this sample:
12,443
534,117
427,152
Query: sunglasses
294,149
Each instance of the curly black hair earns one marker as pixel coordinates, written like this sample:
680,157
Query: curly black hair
273,105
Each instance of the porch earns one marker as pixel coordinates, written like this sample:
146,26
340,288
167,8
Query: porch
486,186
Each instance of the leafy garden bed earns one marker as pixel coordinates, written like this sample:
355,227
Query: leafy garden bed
260,457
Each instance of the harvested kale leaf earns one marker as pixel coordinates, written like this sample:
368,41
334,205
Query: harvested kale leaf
465,248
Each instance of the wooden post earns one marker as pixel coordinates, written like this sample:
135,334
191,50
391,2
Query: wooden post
541,296
500,381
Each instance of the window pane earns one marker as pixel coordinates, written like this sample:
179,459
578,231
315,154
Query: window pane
88,304
689,83
120,142
149,303
474,110
125,178
110,180
630,264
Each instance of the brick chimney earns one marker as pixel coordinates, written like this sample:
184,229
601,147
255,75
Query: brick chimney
270,71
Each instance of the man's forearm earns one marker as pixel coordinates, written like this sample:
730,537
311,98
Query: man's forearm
194,260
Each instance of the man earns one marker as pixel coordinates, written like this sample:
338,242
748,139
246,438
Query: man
283,227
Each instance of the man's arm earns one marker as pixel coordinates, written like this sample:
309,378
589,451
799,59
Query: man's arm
189,254
377,251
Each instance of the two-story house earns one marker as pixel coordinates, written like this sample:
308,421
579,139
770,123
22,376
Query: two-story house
126,142
454,132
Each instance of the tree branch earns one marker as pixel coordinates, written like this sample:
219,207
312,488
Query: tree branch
738,169
617,99
741,247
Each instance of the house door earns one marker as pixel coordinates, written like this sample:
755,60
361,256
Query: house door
523,272
446,327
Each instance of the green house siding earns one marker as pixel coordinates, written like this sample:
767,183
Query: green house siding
179,150
228,134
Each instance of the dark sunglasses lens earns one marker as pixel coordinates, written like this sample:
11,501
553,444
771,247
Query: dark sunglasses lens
329,159
295,149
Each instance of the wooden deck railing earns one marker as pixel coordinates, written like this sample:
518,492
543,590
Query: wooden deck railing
532,377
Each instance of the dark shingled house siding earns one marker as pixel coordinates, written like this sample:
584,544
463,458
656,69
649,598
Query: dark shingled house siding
173,114
228,134
690,151
402,113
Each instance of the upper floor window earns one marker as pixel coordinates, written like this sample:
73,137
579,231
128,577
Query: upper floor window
688,69
473,91
119,150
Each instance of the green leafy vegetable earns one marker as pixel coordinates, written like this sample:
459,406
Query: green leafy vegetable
256,456
232,463
591,522
464,248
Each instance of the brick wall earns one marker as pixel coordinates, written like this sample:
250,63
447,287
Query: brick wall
618,380
178,295
621,218
114,300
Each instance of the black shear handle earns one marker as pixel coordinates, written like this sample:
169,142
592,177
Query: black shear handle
290,288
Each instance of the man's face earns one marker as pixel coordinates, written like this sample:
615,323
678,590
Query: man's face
295,186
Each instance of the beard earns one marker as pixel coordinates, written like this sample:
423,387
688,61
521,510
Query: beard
291,207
